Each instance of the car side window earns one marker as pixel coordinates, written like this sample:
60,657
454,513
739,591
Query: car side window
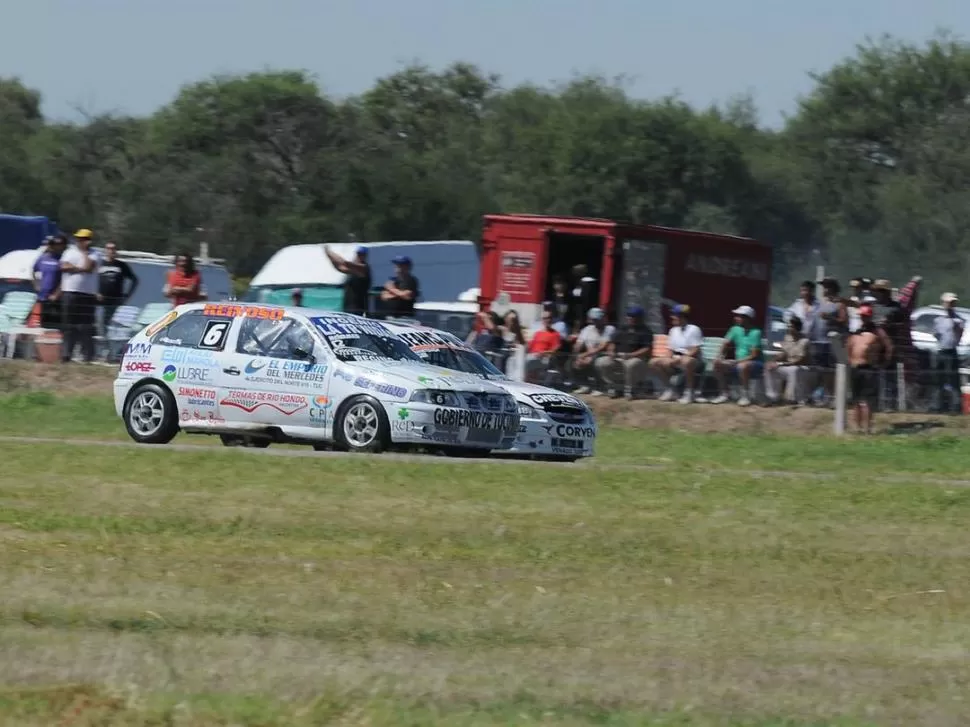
925,323
195,330
286,338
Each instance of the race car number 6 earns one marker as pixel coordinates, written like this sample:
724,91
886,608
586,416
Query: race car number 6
215,332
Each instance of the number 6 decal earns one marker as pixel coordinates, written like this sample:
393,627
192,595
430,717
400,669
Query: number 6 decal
215,334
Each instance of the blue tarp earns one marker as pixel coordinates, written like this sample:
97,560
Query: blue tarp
23,233
445,270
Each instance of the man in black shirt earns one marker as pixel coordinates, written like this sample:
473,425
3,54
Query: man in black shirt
111,284
627,355
358,282
402,290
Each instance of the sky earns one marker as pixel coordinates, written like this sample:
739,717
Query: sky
132,56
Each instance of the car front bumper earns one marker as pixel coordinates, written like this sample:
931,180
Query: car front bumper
546,438
424,424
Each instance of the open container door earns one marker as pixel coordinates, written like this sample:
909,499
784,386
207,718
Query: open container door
641,276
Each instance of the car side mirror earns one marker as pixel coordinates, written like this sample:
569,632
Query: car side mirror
304,355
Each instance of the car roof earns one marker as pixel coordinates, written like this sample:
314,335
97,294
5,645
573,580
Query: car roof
290,310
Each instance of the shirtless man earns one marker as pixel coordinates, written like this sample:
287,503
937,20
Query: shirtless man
868,349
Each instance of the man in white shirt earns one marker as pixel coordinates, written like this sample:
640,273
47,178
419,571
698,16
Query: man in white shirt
590,345
79,289
948,329
685,341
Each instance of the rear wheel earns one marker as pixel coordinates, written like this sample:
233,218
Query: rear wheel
361,425
151,415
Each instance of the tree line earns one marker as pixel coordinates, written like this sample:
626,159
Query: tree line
869,175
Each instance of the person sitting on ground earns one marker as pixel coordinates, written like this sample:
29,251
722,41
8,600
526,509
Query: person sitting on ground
544,347
591,344
686,342
794,357
746,361
627,354
868,350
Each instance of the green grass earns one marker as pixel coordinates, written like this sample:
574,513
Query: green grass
223,587
43,414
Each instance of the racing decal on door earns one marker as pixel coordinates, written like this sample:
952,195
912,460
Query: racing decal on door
250,401
214,336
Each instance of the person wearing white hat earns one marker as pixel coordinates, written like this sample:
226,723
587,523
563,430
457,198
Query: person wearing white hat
948,329
590,345
740,354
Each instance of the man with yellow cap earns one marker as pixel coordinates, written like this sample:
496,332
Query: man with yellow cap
79,291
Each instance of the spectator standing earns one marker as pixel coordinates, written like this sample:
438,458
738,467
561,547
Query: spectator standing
358,283
740,354
561,302
624,366
79,286
948,330
296,298
544,347
512,330
488,337
112,292
583,297
591,344
868,350
685,341
808,309
47,282
402,289
860,296
795,355
184,282
834,316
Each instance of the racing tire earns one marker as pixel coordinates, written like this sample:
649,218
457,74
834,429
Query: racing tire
361,425
240,440
151,414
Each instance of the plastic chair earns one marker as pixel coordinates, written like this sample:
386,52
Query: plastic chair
120,329
149,314
15,309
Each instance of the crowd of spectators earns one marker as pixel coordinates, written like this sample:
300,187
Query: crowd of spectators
590,354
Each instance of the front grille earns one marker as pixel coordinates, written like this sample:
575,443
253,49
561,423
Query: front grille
565,414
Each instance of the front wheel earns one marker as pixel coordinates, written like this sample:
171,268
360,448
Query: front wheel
361,425
151,415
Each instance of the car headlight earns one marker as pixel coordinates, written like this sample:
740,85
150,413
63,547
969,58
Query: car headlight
528,412
436,397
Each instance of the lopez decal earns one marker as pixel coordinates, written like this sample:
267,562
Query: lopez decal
139,367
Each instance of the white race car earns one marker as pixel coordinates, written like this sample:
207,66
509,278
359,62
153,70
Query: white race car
255,374
555,426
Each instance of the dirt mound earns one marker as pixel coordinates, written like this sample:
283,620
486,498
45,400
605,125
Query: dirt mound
73,379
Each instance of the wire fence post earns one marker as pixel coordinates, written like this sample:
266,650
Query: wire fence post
900,387
837,344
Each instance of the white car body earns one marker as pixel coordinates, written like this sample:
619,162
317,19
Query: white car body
554,424
284,374
922,321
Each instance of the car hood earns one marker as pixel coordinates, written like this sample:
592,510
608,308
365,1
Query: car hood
537,396
417,375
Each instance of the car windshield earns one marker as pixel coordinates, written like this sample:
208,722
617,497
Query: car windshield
443,349
359,339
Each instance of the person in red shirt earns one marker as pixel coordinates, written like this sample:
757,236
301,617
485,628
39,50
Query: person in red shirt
184,283
543,346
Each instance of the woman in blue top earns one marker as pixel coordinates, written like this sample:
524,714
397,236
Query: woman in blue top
745,359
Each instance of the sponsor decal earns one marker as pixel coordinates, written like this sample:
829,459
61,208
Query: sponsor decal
456,418
250,401
139,367
196,416
555,400
188,357
320,410
281,371
403,413
186,373
431,341
161,323
567,443
425,380
570,430
142,349
405,426
196,396
335,326
727,267
444,437
228,310
398,392
345,375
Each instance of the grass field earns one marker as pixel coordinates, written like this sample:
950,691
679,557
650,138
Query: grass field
217,587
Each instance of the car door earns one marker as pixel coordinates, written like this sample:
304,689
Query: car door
276,375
